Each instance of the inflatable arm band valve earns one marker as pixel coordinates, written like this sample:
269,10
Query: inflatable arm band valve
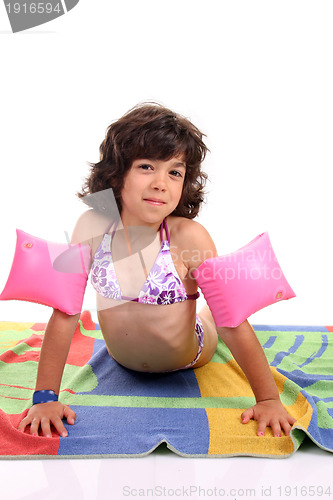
241,283
52,274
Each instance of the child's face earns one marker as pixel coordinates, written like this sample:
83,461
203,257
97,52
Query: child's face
152,190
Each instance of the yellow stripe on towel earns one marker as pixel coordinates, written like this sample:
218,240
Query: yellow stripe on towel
228,435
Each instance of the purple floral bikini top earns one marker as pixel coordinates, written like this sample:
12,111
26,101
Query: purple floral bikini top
162,286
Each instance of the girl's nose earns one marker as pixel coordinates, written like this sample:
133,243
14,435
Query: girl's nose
159,183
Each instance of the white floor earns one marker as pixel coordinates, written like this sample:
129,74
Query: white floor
307,473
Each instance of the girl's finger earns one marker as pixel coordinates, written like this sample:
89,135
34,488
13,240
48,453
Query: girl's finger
34,426
286,426
261,428
23,424
45,425
276,428
247,415
291,419
59,426
70,415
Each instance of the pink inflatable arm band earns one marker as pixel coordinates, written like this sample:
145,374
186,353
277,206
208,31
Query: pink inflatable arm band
51,274
241,283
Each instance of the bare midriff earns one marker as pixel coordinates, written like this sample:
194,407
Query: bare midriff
149,338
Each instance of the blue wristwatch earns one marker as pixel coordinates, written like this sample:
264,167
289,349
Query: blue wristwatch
44,397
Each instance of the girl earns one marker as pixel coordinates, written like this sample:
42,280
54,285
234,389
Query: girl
150,160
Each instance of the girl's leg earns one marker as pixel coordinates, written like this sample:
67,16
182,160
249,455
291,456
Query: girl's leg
210,337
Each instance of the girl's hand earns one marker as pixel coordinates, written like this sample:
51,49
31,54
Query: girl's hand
269,413
44,414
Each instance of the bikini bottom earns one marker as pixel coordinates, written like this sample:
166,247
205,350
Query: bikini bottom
200,334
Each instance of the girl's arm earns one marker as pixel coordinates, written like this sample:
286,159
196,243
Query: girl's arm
57,339
243,344
249,354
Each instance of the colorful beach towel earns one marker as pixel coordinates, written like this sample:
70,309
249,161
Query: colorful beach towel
196,412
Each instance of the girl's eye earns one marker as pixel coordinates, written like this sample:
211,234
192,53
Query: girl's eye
145,166
175,173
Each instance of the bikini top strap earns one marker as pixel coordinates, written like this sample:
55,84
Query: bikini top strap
164,226
109,227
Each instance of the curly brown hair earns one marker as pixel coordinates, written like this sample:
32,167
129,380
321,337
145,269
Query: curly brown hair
150,131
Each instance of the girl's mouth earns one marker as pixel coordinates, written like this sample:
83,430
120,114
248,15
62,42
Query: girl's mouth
154,201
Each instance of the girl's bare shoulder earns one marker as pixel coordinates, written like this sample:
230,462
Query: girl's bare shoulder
90,226
192,237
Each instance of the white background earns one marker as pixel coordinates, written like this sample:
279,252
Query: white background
255,76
